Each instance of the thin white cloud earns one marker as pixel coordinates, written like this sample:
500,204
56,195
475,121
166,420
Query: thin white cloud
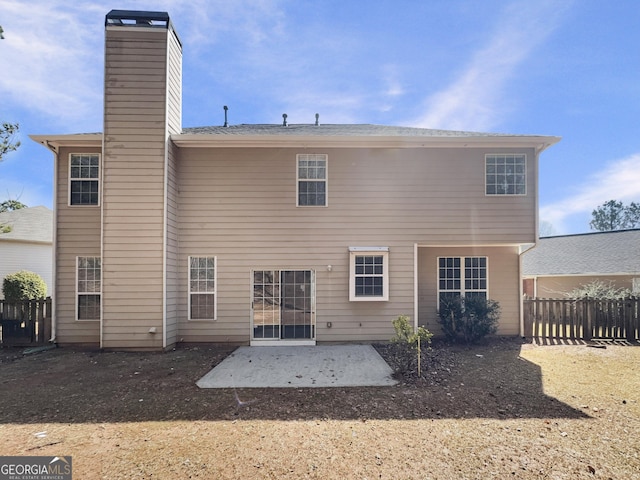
55,49
202,23
55,69
620,180
475,99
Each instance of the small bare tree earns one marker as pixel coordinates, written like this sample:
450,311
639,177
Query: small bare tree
599,289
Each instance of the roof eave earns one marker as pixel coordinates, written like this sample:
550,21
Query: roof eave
200,140
54,142
25,240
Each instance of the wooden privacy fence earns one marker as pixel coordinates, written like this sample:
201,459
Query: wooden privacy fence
26,323
582,319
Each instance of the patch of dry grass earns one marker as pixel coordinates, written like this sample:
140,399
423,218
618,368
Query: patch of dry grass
504,411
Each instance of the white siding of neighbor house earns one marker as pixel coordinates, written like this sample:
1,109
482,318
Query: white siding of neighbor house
134,210
240,206
22,255
77,235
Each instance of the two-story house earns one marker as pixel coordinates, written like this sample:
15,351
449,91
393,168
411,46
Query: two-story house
265,234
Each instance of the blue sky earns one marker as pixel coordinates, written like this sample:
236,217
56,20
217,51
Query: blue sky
562,68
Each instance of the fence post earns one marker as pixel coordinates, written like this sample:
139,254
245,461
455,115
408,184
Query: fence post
587,325
528,323
38,321
32,319
630,318
47,317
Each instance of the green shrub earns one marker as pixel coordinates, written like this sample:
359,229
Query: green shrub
406,348
468,319
24,285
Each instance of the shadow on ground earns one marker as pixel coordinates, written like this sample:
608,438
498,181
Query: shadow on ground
69,386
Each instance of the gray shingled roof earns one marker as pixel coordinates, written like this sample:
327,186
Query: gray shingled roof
590,253
33,224
366,130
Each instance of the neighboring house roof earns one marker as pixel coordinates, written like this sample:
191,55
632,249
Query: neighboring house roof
601,253
33,224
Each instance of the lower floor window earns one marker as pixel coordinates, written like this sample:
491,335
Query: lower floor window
369,274
89,288
462,276
202,288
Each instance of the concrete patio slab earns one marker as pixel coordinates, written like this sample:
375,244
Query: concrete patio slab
300,367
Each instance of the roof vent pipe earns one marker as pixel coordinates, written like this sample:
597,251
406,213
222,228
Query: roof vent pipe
284,119
226,124
317,119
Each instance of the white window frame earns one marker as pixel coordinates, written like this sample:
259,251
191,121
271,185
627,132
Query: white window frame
463,290
312,156
506,157
213,292
355,252
84,179
86,292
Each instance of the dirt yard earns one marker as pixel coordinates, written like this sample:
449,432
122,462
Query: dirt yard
501,410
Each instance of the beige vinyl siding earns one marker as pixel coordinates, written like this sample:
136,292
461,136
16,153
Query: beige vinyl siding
77,235
240,205
503,283
134,186
558,286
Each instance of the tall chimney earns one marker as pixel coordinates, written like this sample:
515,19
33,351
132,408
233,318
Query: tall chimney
142,108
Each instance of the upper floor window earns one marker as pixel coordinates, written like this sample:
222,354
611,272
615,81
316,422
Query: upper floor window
506,174
312,180
202,288
84,179
369,274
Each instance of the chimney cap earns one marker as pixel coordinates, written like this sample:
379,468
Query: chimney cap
136,17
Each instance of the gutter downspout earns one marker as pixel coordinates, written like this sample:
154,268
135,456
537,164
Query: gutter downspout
54,256
415,287
538,150
520,287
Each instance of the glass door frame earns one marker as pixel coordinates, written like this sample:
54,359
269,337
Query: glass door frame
277,313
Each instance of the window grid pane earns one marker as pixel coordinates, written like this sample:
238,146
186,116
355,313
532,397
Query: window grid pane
202,306
449,273
88,307
505,174
89,275
202,275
